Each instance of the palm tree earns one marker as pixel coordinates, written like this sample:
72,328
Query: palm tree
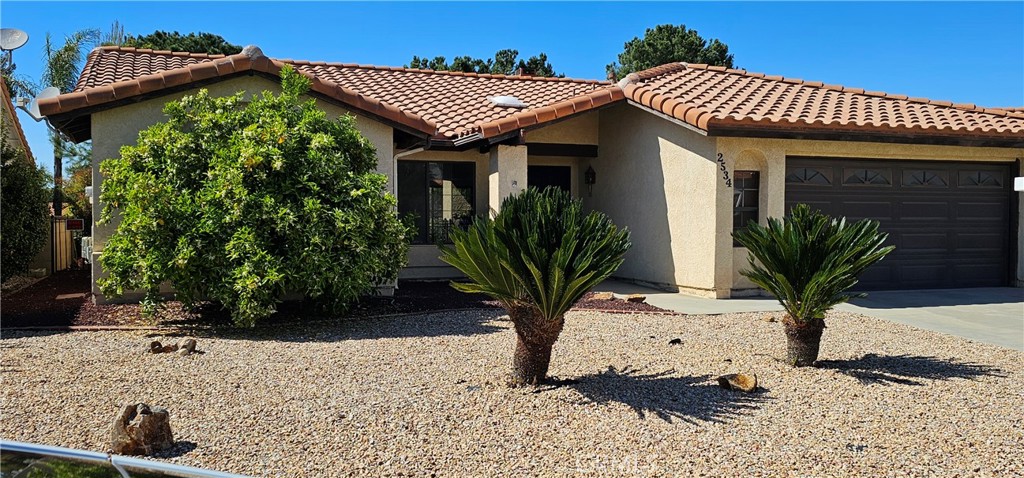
809,262
537,257
61,69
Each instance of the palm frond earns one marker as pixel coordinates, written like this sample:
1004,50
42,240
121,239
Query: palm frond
541,249
810,260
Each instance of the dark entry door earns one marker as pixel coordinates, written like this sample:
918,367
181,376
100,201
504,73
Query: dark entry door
950,221
541,177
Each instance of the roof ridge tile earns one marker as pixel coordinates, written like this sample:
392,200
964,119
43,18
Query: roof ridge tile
449,72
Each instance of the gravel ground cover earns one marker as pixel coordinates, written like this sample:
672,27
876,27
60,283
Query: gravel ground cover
425,396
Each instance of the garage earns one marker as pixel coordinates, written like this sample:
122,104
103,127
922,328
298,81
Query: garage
951,222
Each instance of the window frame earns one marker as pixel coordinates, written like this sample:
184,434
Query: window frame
741,186
426,229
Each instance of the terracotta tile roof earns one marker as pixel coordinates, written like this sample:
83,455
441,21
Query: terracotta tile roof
452,106
456,102
711,98
441,104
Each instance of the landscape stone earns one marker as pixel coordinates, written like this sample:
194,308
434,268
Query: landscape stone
141,430
636,298
743,382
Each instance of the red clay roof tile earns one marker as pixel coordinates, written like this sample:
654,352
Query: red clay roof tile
445,104
451,104
711,98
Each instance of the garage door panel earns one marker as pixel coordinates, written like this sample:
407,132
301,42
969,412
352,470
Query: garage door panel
923,211
877,277
990,243
949,221
916,276
977,274
996,211
922,242
856,210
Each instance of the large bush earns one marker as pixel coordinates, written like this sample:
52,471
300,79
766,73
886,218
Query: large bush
24,209
538,256
809,262
244,202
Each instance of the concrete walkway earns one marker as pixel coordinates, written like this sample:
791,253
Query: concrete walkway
990,315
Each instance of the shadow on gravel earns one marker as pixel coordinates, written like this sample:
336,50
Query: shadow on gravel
178,449
907,369
427,324
668,397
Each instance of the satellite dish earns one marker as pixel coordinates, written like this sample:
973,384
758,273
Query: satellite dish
12,39
33,109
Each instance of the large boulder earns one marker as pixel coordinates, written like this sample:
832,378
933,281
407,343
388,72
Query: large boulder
141,430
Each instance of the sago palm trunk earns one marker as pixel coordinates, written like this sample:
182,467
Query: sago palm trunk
803,338
535,336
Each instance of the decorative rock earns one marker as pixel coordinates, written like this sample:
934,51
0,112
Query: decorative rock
141,430
743,382
187,347
636,298
603,296
157,348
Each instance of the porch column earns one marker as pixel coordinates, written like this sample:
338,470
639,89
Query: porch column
507,174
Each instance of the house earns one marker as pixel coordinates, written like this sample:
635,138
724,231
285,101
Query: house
681,154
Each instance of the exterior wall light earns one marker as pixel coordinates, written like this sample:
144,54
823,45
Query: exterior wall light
590,178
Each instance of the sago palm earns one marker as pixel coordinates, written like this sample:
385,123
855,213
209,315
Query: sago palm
809,262
538,256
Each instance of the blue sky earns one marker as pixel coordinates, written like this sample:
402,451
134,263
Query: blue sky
963,52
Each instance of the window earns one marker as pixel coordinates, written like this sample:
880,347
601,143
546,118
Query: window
745,200
924,178
867,177
980,179
809,176
438,196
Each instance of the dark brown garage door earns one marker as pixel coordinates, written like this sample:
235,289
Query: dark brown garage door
950,222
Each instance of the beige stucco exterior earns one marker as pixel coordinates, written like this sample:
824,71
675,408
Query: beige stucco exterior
659,180
662,180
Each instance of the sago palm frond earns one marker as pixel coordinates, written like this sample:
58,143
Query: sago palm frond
540,250
809,261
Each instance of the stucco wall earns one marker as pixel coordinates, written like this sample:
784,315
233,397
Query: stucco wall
770,155
120,126
582,129
659,180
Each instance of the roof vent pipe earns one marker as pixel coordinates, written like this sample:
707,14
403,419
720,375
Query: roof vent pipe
507,101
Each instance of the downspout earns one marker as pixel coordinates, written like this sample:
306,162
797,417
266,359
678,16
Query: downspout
394,164
394,191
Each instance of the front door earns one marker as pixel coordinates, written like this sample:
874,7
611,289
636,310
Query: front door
541,177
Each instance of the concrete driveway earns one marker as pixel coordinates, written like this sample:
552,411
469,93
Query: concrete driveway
990,315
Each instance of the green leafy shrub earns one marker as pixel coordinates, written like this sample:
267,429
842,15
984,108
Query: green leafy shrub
244,202
809,262
537,257
24,209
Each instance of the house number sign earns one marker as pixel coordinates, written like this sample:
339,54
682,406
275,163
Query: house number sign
725,171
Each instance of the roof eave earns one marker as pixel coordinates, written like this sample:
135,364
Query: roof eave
892,135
